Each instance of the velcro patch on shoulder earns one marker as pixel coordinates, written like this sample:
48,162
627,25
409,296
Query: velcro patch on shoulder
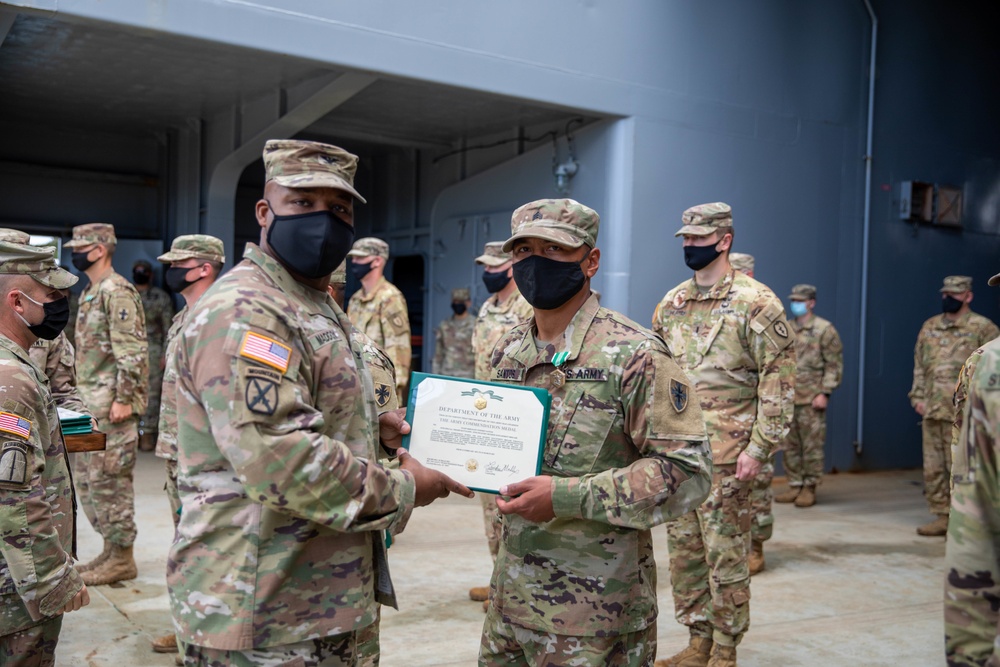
15,425
676,411
265,350
14,462
123,313
398,322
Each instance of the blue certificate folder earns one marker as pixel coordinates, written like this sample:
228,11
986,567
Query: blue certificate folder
473,397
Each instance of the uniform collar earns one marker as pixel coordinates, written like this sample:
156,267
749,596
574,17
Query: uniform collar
21,354
281,277
945,323
719,290
375,290
572,339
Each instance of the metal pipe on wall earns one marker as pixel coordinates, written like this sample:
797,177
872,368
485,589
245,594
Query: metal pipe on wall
859,437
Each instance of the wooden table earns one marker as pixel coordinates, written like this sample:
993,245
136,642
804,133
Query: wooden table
91,442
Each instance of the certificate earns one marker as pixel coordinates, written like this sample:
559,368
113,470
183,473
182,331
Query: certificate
482,434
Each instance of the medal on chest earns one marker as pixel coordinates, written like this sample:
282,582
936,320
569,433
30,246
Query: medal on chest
558,377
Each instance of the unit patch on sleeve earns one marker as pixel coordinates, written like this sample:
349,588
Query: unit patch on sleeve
382,394
678,395
265,350
14,462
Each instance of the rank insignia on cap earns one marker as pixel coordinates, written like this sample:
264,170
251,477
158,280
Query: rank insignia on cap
678,395
382,394
265,350
537,215
14,462
11,423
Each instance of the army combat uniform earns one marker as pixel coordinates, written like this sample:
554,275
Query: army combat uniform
733,341
111,366
158,310
972,584
37,521
941,349
453,343
57,359
626,450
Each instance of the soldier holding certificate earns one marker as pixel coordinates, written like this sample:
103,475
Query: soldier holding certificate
626,450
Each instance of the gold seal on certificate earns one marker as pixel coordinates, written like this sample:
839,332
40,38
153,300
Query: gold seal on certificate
482,434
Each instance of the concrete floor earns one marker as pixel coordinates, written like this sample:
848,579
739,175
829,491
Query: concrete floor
848,582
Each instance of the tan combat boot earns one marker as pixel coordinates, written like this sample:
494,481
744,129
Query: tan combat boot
165,644
119,566
756,560
479,593
695,655
97,562
807,497
788,496
935,528
722,656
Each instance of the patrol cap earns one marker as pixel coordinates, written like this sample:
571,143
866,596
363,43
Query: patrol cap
369,246
339,275
957,284
14,235
37,262
195,246
741,261
294,163
564,221
704,219
460,294
803,292
994,281
91,233
493,255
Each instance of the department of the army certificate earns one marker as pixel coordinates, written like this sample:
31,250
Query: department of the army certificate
481,434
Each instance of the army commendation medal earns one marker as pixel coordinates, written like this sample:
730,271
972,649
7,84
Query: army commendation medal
558,376
482,434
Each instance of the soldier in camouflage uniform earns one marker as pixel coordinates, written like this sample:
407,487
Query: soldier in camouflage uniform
626,450
453,339
502,311
38,582
279,552
729,333
944,343
819,368
158,310
112,375
379,310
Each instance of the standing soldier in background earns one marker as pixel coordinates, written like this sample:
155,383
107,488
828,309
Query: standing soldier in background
729,334
379,310
193,264
453,339
112,372
159,312
819,362
944,343
503,310
761,493
38,582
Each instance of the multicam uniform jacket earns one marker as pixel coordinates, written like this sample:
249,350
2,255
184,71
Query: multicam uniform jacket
283,502
735,344
166,437
382,316
819,359
57,359
453,353
627,449
37,578
495,319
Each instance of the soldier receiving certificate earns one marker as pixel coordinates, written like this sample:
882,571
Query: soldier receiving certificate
481,434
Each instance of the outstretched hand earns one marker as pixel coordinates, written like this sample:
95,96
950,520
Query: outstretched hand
430,484
531,499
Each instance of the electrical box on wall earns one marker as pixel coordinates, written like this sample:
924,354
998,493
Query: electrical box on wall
948,210
920,201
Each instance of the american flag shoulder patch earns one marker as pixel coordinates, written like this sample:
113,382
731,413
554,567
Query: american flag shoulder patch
265,350
15,424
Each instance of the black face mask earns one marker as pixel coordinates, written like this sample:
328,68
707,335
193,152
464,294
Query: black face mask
546,283
310,244
458,308
55,320
950,304
697,257
361,270
175,278
81,262
140,277
495,281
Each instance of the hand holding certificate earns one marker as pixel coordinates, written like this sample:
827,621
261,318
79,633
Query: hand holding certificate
481,434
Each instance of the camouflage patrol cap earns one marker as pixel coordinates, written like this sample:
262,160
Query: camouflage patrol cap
13,235
493,255
956,284
741,261
564,221
460,294
37,262
310,164
339,275
369,246
803,292
91,233
195,246
704,219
